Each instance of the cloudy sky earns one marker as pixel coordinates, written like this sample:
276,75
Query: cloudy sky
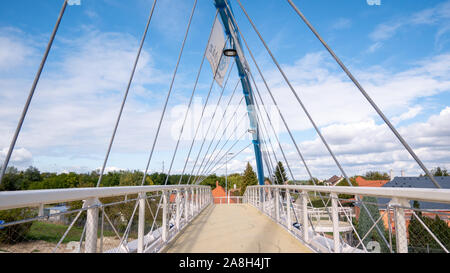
399,51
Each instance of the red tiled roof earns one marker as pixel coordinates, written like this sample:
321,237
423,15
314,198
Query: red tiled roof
370,183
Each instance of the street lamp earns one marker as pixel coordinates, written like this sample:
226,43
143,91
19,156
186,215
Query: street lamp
226,176
230,52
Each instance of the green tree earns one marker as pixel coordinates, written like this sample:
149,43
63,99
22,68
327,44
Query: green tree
280,174
375,175
365,223
249,178
12,180
439,172
420,240
31,175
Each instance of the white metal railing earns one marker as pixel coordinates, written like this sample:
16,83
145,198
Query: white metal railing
323,228
179,205
228,200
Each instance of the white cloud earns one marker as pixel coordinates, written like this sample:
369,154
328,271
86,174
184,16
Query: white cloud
21,157
342,23
365,146
14,51
331,98
438,15
412,112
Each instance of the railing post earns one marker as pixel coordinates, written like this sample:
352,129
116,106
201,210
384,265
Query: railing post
274,212
141,222
288,210
263,199
192,203
186,204
197,198
305,215
164,217
400,224
254,197
178,210
91,225
335,219
277,204
260,198
202,197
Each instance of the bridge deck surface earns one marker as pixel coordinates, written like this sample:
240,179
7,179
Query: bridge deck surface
234,229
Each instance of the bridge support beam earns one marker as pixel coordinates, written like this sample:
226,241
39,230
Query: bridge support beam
192,203
277,204
335,219
186,204
400,223
243,68
141,222
197,200
165,224
91,225
288,210
305,225
178,210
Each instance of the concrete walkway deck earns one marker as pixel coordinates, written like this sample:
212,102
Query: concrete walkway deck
234,229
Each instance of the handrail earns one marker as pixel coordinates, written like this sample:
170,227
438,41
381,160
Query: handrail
419,194
22,199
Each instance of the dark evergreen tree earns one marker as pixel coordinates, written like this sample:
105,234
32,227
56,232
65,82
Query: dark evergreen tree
439,172
249,178
365,223
280,174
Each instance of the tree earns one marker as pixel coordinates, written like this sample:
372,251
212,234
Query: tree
365,223
30,176
420,240
249,178
280,174
439,172
12,180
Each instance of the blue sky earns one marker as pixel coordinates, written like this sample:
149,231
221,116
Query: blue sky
398,50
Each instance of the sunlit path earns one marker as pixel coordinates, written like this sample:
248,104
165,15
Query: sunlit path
234,228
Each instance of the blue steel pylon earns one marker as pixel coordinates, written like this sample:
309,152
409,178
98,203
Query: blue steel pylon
224,8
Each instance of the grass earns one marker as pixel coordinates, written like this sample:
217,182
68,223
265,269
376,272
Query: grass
52,233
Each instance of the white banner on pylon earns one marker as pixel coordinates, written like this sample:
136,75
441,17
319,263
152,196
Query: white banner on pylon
214,54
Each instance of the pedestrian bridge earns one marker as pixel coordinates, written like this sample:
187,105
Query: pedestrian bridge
185,219
235,228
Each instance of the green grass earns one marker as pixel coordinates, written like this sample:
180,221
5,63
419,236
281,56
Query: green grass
52,233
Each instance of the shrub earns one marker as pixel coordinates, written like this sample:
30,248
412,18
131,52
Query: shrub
16,233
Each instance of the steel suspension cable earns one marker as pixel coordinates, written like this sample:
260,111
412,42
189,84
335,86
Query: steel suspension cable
307,113
366,95
126,94
218,167
232,146
223,133
219,124
190,103
163,113
200,120
210,123
234,156
170,91
229,138
31,93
